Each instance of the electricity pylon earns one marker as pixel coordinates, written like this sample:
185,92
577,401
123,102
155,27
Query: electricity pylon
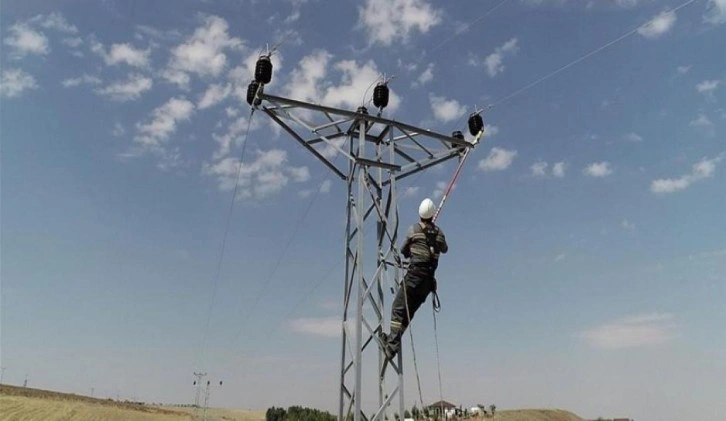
379,152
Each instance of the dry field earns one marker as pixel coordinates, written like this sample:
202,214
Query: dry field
22,404
534,415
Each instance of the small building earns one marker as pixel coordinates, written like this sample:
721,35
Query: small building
448,407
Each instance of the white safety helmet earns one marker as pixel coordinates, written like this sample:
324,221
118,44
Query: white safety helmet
426,209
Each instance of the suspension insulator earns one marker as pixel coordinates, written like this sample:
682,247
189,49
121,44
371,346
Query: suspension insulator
362,110
380,95
252,92
476,124
263,70
457,135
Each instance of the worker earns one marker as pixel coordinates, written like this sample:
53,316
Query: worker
422,246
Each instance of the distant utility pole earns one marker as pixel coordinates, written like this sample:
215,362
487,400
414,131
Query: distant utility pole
25,383
2,372
206,399
198,384
91,392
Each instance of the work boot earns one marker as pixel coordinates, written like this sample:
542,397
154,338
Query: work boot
393,343
385,346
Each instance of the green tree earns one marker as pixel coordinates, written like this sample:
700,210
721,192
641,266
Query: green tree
275,414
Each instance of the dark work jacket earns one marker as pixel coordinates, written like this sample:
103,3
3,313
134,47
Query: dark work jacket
421,252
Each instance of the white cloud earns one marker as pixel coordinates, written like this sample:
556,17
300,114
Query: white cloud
701,170
426,76
446,110
633,137
598,169
490,130
127,90
325,187
213,95
329,327
265,175
411,191
628,225
84,79
659,25
118,130
539,169
306,78
391,20
25,40
122,53
328,151
73,42
154,134
300,174
306,82
494,62
14,82
560,257
144,31
233,135
558,169
354,81
55,21
231,112
202,53
707,87
497,160
440,188
633,332
716,12
682,70
703,123
626,3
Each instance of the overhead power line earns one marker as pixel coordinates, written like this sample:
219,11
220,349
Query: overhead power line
224,236
580,59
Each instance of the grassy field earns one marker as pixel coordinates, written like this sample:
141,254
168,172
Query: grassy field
24,404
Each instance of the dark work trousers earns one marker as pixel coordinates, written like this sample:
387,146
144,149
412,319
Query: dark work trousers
418,284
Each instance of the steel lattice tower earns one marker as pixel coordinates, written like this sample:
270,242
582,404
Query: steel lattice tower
379,152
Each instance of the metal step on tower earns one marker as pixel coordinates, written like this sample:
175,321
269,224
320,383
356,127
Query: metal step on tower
378,153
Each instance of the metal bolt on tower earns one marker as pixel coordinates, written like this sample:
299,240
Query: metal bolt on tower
379,152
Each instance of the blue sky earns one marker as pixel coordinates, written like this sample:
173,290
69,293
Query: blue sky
588,251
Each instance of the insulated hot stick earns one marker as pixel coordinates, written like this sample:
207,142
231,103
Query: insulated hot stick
476,128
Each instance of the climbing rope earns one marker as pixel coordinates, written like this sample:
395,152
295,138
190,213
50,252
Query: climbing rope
413,348
436,308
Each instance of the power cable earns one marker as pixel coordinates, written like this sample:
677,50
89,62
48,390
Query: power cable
581,58
226,233
464,29
280,258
